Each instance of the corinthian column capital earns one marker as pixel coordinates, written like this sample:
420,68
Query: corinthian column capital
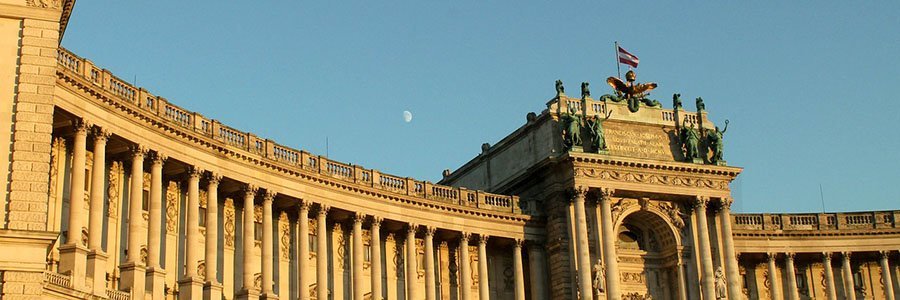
82,126
100,134
214,178
700,202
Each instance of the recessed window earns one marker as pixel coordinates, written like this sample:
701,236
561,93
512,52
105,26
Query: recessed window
145,200
258,231
203,216
313,244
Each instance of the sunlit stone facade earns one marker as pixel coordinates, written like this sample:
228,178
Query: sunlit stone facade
113,192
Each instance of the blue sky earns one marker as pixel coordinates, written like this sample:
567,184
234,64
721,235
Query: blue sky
810,88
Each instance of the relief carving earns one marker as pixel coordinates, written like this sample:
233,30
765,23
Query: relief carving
668,180
229,222
619,207
52,4
673,211
113,190
172,207
285,226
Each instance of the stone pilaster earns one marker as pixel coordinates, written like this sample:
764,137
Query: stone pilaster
582,250
610,259
774,279
96,264
156,276
73,254
376,262
303,249
190,286
212,289
887,283
518,270
268,247
133,271
412,270
847,274
430,287
357,243
322,252
830,290
484,291
465,269
732,272
707,282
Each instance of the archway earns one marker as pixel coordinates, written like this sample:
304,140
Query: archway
647,248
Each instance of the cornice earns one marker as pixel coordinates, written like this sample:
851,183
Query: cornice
599,160
113,104
814,233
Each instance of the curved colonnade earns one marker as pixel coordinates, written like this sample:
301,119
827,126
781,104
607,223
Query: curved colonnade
235,186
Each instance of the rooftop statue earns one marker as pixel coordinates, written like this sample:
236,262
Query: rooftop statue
560,89
572,124
585,90
676,101
690,140
700,105
633,92
716,143
598,141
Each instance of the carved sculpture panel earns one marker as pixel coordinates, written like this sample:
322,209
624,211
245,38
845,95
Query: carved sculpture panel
229,222
172,193
657,179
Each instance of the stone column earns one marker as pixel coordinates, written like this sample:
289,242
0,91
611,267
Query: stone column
212,289
707,282
791,276
679,273
484,292
156,276
465,272
73,254
268,247
581,245
322,252
847,273
96,265
412,290
249,289
375,264
732,273
133,271
774,280
303,249
358,290
518,270
190,286
830,291
886,276
430,286
610,258
538,271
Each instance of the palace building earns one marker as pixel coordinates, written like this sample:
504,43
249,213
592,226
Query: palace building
113,192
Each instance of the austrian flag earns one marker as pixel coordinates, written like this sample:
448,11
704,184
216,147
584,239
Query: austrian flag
628,58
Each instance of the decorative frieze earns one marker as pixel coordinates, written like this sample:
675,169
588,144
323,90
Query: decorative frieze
656,179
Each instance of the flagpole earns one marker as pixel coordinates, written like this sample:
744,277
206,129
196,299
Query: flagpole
618,68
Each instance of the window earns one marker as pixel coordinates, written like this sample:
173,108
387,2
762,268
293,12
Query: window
145,200
801,281
203,216
258,231
367,253
313,245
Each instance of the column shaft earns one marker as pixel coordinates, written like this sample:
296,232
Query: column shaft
412,290
518,271
707,282
98,175
733,275
303,250
322,253
791,276
268,245
581,246
76,185
154,235
376,258
465,272
682,289
430,286
830,290
610,258
134,205
484,292
887,283
212,228
249,238
358,256
193,223
774,279
847,273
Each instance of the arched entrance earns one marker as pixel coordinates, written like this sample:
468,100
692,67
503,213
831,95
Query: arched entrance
647,248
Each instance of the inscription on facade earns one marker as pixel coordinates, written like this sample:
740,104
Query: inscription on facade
639,141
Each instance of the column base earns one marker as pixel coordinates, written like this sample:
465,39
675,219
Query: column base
156,282
73,261
134,279
96,269
246,294
269,296
190,288
212,291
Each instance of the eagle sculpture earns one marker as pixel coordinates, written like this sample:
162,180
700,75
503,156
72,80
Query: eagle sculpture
630,89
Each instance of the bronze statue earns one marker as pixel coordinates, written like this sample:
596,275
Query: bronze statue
560,89
700,105
716,143
690,140
585,90
572,131
676,101
596,126
635,93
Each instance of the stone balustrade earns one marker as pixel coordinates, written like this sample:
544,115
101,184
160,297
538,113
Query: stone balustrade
821,221
592,107
143,102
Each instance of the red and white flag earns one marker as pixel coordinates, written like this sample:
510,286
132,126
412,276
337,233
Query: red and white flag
628,58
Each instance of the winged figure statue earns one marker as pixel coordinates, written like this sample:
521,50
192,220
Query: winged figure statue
630,89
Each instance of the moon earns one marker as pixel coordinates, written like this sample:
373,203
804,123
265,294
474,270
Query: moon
407,116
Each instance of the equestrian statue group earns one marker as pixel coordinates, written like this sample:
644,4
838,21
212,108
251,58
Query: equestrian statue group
698,145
